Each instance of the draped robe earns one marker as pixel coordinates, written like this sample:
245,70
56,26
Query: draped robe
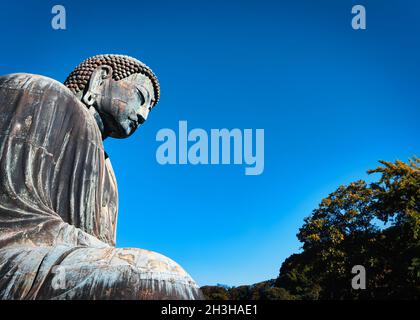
58,205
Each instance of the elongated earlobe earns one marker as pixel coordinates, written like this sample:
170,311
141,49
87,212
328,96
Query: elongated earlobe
89,98
97,78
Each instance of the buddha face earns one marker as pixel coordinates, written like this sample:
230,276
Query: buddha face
122,105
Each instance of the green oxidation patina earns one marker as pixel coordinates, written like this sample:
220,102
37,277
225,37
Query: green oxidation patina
58,192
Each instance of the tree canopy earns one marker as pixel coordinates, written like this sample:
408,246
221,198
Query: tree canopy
374,224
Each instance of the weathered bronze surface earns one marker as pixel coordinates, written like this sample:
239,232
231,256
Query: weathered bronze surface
58,193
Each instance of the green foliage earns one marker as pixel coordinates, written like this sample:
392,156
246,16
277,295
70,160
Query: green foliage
345,231
240,293
215,293
375,225
275,293
265,290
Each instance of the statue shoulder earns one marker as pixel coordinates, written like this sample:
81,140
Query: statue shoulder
51,97
50,89
34,83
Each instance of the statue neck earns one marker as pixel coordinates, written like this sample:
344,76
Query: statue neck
99,121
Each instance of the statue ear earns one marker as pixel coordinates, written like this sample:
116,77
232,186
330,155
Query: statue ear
97,78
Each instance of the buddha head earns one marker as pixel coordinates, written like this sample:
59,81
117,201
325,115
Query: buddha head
119,90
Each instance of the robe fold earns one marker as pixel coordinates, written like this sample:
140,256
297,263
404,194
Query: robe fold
58,205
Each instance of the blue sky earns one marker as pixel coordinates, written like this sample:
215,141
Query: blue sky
332,101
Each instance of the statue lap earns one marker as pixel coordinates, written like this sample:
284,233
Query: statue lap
58,206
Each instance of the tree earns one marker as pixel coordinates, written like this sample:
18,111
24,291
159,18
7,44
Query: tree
276,293
375,225
215,293
265,290
240,293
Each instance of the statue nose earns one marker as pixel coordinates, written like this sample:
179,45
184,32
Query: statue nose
142,115
140,119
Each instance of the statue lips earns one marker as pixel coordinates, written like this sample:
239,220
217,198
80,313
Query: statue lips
134,124
137,122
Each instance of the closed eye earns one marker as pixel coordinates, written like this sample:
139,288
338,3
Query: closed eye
140,94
